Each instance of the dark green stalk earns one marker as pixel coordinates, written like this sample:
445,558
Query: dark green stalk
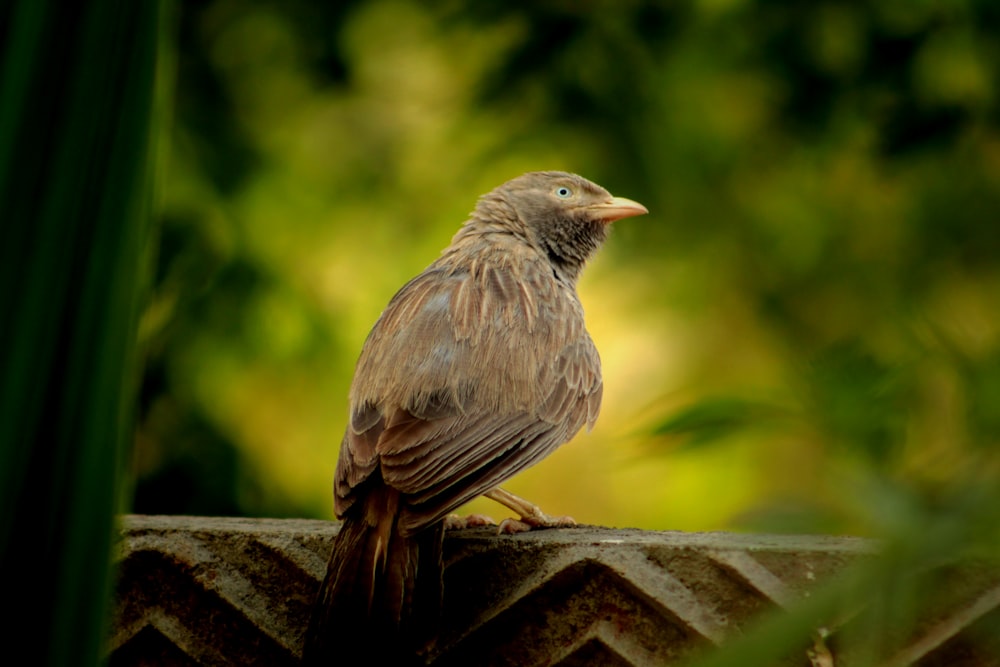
76,100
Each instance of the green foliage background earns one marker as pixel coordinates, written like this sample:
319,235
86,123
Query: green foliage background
814,293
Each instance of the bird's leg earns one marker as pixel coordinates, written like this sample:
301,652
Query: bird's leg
531,516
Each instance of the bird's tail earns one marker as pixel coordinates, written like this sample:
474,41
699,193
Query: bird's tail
373,608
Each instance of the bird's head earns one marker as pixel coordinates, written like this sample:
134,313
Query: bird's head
564,215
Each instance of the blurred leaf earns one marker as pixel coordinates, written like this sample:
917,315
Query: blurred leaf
859,401
867,614
983,380
712,420
76,106
791,516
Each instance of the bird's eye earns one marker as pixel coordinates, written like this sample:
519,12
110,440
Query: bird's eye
563,192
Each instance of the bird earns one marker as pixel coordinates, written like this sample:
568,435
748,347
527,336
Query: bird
478,367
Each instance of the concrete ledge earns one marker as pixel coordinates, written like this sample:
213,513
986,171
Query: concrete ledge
221,591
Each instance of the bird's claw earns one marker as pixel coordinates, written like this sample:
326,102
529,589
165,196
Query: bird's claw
539,520
512,527
456,522
531,516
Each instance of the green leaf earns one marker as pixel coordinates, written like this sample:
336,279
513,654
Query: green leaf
715,419
76,103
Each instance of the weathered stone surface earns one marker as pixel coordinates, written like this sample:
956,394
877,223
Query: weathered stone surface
219,591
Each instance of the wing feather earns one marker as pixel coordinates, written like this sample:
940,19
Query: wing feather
464,382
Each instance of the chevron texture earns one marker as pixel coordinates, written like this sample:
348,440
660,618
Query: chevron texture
214,591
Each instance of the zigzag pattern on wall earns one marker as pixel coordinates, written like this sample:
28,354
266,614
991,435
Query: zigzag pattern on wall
205,591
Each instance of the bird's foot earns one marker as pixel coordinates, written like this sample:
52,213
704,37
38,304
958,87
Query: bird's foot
456,522
531,516
524,524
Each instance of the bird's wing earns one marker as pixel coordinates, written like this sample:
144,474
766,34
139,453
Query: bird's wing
463,382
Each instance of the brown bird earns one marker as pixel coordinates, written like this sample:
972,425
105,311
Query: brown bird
478,368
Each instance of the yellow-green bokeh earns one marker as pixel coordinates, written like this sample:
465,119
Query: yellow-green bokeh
797,222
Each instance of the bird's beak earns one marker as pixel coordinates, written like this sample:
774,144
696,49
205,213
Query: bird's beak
616,208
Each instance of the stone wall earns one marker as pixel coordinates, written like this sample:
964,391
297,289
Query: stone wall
220,591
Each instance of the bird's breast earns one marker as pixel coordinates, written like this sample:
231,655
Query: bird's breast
485,335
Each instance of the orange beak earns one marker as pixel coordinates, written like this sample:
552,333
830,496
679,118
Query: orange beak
616,208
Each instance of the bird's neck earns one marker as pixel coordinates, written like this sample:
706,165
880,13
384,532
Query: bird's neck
498,246
495,228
